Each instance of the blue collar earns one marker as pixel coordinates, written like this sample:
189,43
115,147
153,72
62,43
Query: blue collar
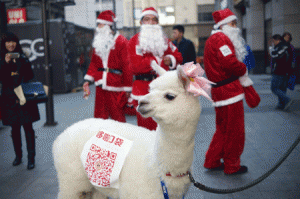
165,190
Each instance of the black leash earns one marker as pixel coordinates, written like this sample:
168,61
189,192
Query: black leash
251,184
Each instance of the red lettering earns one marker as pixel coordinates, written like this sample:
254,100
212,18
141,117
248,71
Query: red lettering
100,134
119,142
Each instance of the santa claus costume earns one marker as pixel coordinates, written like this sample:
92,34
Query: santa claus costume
224,53
109,69
146,47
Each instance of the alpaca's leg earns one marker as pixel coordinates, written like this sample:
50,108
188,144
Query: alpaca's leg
98,195
74,185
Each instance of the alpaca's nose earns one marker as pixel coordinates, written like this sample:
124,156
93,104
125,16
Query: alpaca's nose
143,102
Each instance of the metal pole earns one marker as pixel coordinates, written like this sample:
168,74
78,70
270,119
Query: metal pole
133,15
48,70
3,18
114,10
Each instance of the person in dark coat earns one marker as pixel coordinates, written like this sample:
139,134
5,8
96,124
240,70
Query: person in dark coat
16,112
185,46
281,54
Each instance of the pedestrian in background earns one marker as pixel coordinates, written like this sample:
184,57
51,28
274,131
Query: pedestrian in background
146,48
109,69
292,80
185,46
281,54
224,53
16,112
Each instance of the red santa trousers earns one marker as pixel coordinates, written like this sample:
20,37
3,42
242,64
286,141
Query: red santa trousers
229,138
106,105
147,123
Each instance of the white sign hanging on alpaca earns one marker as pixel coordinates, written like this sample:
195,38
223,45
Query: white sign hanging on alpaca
103,157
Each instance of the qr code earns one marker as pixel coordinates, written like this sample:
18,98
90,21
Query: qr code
99,165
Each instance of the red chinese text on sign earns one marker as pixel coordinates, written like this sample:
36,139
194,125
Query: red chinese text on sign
110,138
17,15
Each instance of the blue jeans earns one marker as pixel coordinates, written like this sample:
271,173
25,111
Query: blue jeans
279,85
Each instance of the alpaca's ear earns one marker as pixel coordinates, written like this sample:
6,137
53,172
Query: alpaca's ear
157,68
182,77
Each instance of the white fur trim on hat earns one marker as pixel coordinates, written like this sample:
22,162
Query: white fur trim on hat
225,21
149,12
104,22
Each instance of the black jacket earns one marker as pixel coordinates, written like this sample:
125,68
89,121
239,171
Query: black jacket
187,49
11,76
282,59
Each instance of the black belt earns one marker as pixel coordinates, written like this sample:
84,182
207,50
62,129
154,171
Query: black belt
226,81
145,77
116,71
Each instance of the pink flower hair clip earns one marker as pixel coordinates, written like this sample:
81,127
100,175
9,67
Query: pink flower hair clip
198,84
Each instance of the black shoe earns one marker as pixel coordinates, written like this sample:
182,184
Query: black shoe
287,106
30,165
242,170
17,161
219,168
279,108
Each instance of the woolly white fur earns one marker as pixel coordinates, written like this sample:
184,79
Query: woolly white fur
153,154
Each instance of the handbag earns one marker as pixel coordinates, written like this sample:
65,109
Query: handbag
34,92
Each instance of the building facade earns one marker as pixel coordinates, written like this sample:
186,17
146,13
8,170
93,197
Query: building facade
85,12
195,15
55,8
260,19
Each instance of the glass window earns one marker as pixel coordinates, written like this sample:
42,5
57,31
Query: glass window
97,14
137,16
102,1
201,46
166,15
137,13
205,12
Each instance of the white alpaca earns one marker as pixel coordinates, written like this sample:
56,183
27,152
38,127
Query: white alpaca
169,149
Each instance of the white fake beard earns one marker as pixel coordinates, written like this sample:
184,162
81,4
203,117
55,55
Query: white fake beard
103,41
152,40
237,40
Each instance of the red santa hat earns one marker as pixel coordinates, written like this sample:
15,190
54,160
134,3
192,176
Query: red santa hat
149,11
106,17
222,17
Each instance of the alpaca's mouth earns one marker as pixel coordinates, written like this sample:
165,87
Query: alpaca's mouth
144,111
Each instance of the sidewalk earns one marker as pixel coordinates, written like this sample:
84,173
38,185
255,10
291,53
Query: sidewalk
269,133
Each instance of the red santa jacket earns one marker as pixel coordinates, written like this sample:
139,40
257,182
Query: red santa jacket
117,59
141,64
220,63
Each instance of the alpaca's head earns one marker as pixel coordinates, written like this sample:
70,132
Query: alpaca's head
169,102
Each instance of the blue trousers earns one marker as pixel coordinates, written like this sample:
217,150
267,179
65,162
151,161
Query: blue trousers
279,85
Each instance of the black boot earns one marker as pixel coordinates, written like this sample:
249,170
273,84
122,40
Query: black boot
30,139
31,164
17,143
17,161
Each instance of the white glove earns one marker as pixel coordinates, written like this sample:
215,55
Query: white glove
20,94
245,80
157,68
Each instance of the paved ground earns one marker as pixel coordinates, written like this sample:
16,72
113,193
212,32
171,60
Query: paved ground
269,133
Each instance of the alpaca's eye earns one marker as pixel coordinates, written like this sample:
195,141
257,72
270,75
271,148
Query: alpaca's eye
170,96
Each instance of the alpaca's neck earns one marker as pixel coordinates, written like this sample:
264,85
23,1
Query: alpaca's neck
174,148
